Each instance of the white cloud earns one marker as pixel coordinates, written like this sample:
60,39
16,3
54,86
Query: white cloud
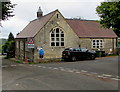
25,11
58,0
13,25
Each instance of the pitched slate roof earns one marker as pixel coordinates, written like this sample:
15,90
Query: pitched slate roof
90,29
83,28
34,26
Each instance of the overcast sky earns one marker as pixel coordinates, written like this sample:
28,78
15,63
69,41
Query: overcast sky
25,11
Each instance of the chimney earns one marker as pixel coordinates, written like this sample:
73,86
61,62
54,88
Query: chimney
39,13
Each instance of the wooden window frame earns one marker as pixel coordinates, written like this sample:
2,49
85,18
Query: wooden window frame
97,44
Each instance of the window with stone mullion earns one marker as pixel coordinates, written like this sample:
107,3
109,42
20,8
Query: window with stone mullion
57,37
97,43
53,38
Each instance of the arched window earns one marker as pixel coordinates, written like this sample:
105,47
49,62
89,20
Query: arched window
57,37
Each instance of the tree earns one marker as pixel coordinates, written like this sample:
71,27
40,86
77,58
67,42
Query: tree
11,37
9,46
7,9
109,13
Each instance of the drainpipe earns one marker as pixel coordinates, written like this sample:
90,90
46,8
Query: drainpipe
24,48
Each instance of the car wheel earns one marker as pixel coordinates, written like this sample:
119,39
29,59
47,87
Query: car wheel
73,58
92,57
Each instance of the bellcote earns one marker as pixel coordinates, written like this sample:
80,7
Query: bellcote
39,13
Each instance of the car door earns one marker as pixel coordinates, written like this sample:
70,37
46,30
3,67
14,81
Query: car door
80,55
84,53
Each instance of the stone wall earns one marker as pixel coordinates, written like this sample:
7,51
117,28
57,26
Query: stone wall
108,43
42,39
19,52
22,51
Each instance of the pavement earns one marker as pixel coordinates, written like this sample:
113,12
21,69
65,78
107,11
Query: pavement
99,74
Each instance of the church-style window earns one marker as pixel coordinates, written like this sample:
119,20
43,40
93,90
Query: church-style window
57,37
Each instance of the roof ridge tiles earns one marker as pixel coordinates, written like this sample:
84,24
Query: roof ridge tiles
81,19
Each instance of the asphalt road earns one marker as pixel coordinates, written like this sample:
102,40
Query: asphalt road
99,74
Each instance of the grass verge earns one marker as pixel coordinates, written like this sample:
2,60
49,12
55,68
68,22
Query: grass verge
39,61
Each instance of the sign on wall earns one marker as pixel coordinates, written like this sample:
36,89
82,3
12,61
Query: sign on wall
31,43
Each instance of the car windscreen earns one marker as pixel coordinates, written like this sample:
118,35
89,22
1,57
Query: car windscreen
69,49
84,49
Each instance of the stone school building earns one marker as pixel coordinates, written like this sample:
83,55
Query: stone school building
54,33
